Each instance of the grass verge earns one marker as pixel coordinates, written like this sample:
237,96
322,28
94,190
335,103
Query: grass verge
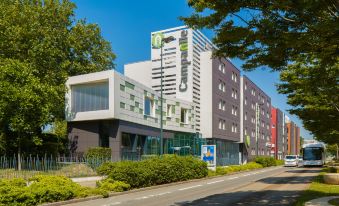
317,189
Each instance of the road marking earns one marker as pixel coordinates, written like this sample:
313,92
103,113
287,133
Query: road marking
245,175
186,188
114,203
215,182
232,178
141,198
164,193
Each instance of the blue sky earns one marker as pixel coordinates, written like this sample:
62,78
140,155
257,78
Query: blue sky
127,26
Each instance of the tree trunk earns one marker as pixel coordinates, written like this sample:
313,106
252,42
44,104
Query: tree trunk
337,152
19,156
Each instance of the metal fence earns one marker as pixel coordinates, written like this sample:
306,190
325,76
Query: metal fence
70,166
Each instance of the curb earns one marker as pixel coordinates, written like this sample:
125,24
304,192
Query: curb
112,194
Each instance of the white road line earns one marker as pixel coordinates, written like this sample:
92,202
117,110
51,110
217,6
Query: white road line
232,178
141,198
215,182
245,175
186,188
164,193
114,203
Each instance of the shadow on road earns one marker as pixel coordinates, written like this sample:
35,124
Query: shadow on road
267,196
250,198
304,171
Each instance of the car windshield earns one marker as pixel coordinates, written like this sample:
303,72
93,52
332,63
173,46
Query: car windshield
290,157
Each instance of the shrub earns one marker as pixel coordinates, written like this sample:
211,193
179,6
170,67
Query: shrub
111,185
154,171
49,188
265,161
97,155
279,162
15,192
237,168
43,188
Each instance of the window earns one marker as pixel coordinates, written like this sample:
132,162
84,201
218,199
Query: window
233,76
221,86
222,105
222,124
234,128
89,97
122,105
129,85
131,97
236,94
149,108
234,110
184,116
169,110
122,87
246,116
245,100
245,85
236,77
273,125
222,68
246,131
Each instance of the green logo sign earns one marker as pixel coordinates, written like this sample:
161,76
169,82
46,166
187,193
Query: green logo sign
247,141
156,40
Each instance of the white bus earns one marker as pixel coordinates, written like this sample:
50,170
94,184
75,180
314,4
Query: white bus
314,154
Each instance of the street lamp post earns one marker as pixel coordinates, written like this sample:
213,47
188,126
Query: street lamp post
163,41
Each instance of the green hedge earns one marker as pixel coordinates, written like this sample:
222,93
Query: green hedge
43,188
113,186
266,161
236,168
154,171
279,162
99,153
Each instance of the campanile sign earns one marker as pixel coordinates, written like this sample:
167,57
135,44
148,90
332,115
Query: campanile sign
183,45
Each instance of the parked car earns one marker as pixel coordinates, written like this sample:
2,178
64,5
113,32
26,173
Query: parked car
291,160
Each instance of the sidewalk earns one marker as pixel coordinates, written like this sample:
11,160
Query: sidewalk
321,201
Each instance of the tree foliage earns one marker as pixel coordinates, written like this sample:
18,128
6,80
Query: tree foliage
41,44
299,38
313,90
270,32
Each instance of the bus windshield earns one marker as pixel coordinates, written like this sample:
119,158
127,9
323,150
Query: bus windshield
312,153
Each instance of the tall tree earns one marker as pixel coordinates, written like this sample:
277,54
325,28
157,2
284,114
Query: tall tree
41,44
300,38
313,91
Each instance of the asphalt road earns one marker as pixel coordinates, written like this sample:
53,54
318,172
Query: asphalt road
268,186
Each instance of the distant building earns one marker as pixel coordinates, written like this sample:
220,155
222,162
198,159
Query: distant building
293,137
255,120
279,136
